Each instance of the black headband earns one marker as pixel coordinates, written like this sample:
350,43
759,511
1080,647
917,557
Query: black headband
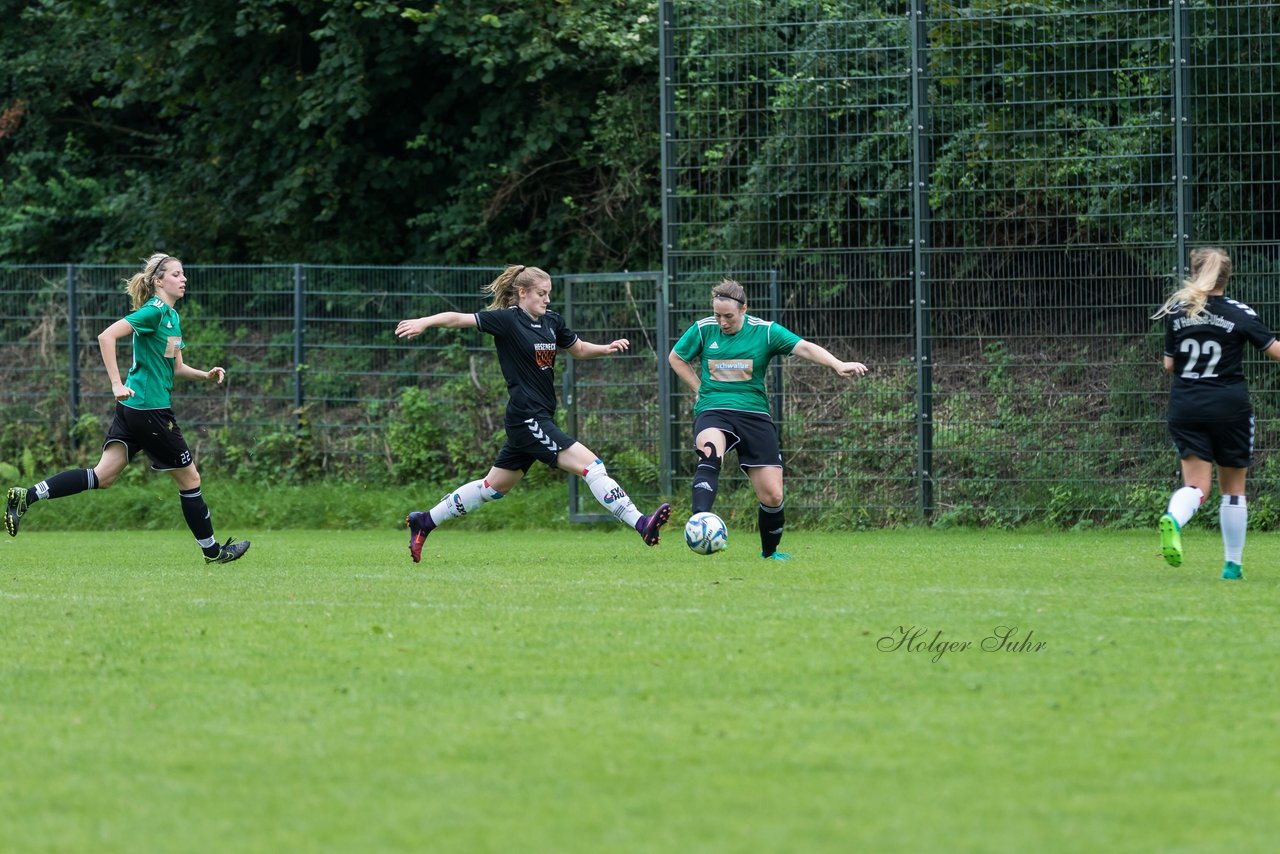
726,296
156,271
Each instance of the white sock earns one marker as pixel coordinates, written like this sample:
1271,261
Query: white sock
463,500
613,497
1184,503
1233,516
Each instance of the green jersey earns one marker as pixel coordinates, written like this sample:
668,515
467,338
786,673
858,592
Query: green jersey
733,366
157,338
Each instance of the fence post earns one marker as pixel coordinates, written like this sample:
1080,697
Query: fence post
775,313
666,412
1181,138
920,258
568,383
299,318
73,351
670,220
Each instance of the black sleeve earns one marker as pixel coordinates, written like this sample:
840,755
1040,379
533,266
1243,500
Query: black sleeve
497,322
565,337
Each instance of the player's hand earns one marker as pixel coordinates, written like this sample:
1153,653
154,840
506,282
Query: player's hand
619,346
411,328
121,391
851,369
217,375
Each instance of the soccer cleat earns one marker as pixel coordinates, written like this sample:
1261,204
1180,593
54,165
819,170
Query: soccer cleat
417,533
650,525
1232,571
14,509
232,549
1171,540
776,556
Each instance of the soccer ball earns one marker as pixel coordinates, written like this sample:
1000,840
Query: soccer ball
705,533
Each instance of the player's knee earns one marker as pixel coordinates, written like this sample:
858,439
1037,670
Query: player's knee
709,456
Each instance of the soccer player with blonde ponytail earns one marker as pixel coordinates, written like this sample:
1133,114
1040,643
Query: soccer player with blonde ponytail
1210,414
143,419
528,336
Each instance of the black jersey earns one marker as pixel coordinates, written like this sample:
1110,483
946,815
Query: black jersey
1208,359
527,354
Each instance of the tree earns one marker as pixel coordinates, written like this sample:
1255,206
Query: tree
358,131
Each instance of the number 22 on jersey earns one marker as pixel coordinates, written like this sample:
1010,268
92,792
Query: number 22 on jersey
1211,351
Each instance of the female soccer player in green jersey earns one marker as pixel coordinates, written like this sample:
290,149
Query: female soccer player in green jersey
732,409
143,419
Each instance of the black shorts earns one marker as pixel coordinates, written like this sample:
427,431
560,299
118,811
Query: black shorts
535,439
1225,443
752,434
155,431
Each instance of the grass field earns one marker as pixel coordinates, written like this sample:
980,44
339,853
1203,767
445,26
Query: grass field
574,691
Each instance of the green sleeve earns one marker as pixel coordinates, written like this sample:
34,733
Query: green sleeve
145,320
689,347
782,340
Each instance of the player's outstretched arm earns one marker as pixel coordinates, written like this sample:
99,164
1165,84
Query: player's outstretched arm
811,352
445,320
586,350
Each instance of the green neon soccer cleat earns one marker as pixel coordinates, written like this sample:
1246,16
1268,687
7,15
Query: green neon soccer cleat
1171,540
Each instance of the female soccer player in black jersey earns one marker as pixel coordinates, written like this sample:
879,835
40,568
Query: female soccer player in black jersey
528,336
1210,415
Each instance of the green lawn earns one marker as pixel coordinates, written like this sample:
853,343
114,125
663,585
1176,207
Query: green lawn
574,691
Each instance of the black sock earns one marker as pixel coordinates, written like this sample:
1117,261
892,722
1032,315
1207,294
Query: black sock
62,484
771,521
706,479
197,516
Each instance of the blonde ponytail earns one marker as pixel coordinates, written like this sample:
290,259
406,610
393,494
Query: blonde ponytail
1210,271
505,289
142,285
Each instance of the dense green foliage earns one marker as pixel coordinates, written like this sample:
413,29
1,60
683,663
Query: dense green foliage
329,131
572,691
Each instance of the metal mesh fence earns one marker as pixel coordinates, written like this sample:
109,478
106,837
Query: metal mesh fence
314,371
318,384
985,202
